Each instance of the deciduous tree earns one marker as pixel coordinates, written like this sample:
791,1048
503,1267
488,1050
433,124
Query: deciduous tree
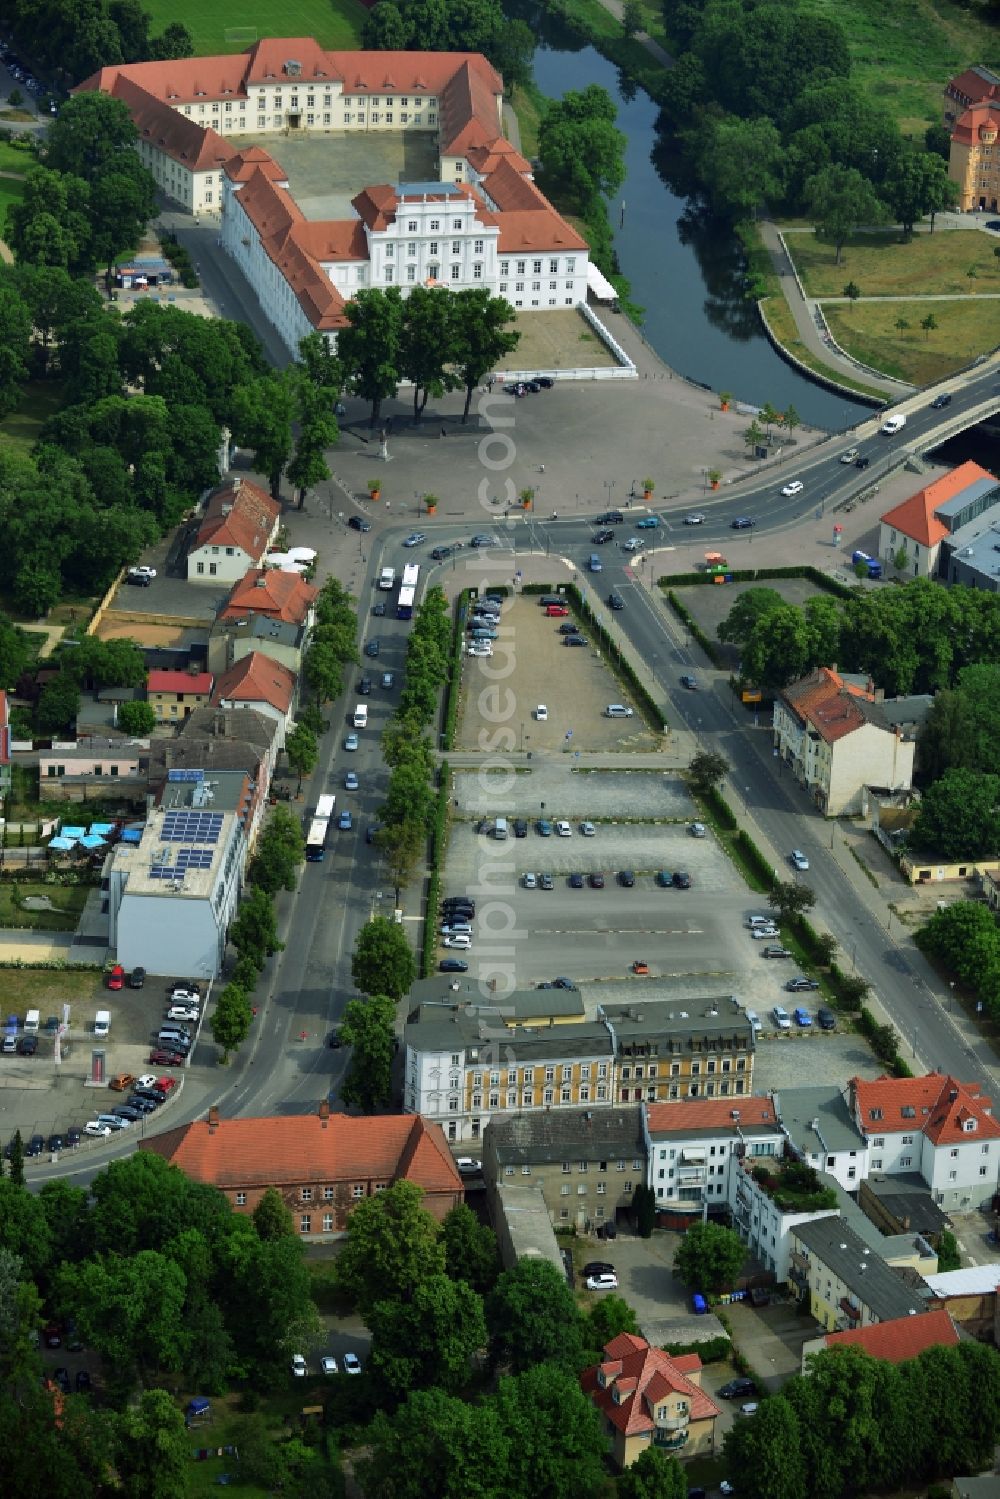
532,1318
709,1257
482,337
959,817
393,1246
428,1339
841,200
470,1248
383,961
368,1028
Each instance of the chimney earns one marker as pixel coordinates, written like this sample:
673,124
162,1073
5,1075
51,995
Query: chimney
213,1119
324,1111
880,694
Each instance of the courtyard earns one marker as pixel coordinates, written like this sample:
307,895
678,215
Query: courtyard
325,171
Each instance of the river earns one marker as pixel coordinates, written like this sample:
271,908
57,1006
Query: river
686,272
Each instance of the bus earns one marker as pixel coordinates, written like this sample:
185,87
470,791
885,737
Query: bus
318,829
408,591
386,579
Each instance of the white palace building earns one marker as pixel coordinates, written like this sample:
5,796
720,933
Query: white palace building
483,223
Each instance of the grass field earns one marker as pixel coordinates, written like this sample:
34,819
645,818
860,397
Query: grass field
334,23
868,331
903,51
13,160
44,989
41,400
11,191
69,901
782,324
882,266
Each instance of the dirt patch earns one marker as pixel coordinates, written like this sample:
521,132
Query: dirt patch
113,627
558,341
532,666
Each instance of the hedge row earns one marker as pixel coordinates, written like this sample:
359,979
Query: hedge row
453,691
720,808
439,838
708,646
762,868
759,574
711,1351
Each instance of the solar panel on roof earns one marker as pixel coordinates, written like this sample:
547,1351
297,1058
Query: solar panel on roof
185,775
192,827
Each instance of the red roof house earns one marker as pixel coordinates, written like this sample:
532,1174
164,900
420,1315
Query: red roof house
896,1340
272,593
322,1163
240,523
645,1397
173,695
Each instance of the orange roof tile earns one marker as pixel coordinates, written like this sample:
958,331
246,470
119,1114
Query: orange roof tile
179,681
824,701
286,1149
637,1377
273,593
935,1104
915,517
900,1338
692,1114
256,678
199,148
239,514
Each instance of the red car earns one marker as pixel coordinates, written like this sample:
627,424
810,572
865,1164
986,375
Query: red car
160,1058
116,978
556,611
166,1083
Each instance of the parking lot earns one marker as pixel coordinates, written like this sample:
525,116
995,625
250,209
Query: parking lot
600,795
531,665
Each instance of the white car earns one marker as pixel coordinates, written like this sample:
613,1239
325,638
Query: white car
764,933
605,1282
587,829
351,781
298,1366
480,648
462,940
469,1166
783,1021
414,539
753,921
148,1080
142,572
632,545
456,929
352,1364
754,1020
541,713
529,881
799,859
563,830
351,743
181,996
92,1127
749,1409
695,518
795,487
328,1364
182,1012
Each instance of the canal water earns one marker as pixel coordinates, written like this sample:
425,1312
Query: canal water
685,269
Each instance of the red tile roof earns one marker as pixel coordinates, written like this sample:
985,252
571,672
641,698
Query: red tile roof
180,681
642,1377
972,87
292,1148
915,517
239,514
467,110
900,1338
256,678
689,1115
824,701
197,147
935,1104
275,594
976,126
487,158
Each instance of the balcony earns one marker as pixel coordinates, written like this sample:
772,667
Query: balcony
669,1441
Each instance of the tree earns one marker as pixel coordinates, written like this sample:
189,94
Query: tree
437,1444
254,931
753,436
653,1475
928,323
607,1318
706,771
129,1310
791,419
58,705
710,1257
581,149
324,672
428,1339
959,817
840,199
768,1454
91,133
281,849
789,899
122,201
532,1318
231,1019
749,608
632,18
964,938
393,1245
24,1229
15,347
917,184
557,1447
383,961
368,1028
16,1160
271,1218
470,1249
742,164
781,648
427,345
370,349
824,948
262,421
852,291
302,752
481,336
66,1210
403,844
948,1254
153,1448
136,719
959,731
317,431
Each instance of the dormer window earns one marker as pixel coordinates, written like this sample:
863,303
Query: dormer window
969,1126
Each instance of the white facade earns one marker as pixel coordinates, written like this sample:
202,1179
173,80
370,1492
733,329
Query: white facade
219,564
694,1171
762,1225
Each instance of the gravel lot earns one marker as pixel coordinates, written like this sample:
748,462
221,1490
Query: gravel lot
642,848
531,665
595,794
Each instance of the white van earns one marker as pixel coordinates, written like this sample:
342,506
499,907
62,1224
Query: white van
102,1023
360,719
500,828
755,1025
894,424
617,710
31,1023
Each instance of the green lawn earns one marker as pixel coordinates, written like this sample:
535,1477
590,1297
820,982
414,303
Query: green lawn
45,989
216,26
782,324
904,51
14,160
69,901
11,191
882,266
868,331
41,399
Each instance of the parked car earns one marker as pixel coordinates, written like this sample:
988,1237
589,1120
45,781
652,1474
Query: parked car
802,1017
352,1364
546,882
801,985
737,1388
137,978
775,950
596,880
798,859
764,933
563,829
452,965
116,977
469,1166
520,826
121,1082
826,1019
328,1364
94,1127
597,1267
682,880
626,878
298,1366
576,881
27,1046
543,828
697,830
606,1281
587,830
781,1019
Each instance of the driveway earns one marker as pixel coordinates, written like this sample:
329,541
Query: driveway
646,1281
771,1339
